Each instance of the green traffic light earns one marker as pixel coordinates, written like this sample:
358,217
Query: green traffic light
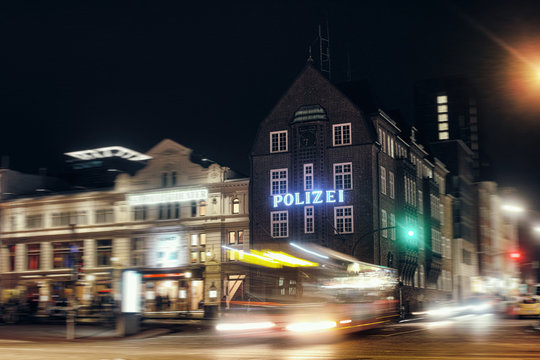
410,233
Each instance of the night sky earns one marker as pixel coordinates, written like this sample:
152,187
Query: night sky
78,75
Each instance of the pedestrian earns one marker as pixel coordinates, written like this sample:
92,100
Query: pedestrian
159,302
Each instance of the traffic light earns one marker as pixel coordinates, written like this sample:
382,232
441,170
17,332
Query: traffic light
410,233
515,255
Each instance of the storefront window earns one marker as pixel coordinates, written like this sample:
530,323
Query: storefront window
33,251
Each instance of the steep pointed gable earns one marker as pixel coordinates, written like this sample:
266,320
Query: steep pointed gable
312,88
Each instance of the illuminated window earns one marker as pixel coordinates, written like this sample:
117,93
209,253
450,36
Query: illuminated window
343,219
65,254
279,223
202,208
202,239
442,108
241,237
308,177
442,99
443,126
342,134
236,206
194,257
33,251
442,117
278,141
308,220
202,256
278,181
232,237
443,135
343,176
383,180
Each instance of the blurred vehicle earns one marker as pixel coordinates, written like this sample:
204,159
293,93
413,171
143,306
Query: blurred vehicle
478,305
527,306
339,295
442,310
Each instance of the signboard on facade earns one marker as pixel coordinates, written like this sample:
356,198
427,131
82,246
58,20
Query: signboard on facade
167,251
166,196
309,198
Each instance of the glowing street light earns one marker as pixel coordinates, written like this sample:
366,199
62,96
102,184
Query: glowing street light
512,208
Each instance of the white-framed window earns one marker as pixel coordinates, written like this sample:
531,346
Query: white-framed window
343,176
236,206
392,223
436,241
342,134
383,180
278,141
278,181
343,219
308,177
420,202
392,189
309,226
384,223
279,224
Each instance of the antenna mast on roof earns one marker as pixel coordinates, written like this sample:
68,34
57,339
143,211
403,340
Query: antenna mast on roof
324,50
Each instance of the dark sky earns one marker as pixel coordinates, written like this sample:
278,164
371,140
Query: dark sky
79,75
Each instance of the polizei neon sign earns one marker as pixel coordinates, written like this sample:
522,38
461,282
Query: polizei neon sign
309,197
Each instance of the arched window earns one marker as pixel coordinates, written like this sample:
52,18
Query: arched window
236,206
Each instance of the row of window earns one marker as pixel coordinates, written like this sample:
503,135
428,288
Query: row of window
341,135
391,188
279,178
36,221
106,216
343,221
65,255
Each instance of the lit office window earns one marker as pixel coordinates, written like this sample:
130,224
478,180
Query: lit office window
442,108
236,206
443,126
443,135
442,117
442,99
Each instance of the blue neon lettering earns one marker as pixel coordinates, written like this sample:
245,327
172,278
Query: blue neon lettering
288,199
330,196
308,198
297,199
277,200
317,199
340,196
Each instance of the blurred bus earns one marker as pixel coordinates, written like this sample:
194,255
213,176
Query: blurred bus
314,291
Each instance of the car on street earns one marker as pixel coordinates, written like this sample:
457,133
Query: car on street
527,306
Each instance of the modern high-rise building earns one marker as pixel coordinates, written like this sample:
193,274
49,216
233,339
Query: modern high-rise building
447,109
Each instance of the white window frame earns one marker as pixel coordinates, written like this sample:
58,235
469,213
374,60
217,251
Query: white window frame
279,137
392,222
341,137
343,174
279,179
309,220
384,223
308,176
391,181
341,228
282,224
383,180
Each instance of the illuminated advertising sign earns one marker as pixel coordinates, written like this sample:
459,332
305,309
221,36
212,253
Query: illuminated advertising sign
166,196
309,197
